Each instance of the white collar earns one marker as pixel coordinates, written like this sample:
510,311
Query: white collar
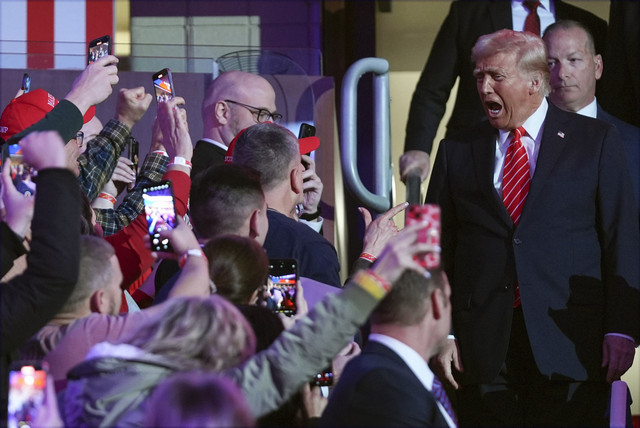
533,124
215,143
590,110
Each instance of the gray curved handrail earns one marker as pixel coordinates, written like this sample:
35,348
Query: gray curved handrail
379,201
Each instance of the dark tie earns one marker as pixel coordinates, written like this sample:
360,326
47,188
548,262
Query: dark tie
515,183
439,393
532,23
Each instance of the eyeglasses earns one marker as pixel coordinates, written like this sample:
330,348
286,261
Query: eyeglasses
80,139
262,115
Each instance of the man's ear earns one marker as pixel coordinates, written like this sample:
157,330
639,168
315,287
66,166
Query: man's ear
437,299
535,84
599,66
254,229
97,301
221,112
295,178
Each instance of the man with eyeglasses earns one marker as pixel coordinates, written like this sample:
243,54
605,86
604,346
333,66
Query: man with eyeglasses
234,101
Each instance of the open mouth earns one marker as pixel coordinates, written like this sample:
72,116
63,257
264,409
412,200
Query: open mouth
493,108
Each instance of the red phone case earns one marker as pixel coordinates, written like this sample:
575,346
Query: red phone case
428,214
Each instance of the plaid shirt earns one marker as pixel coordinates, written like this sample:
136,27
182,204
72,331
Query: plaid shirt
113,220
99,161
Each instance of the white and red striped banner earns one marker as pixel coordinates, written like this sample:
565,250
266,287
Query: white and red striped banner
51,33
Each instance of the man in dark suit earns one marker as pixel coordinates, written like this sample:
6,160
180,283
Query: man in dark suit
234,101
544,292
450,58
390,383
575,67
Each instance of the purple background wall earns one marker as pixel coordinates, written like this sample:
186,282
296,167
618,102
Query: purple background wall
287,24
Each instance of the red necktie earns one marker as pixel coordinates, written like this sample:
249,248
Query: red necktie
515,183
532,23
515,176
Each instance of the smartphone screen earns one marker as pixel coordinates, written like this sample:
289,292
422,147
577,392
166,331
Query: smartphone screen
21,173
323,378
99,47
26,83
280,293
163,85
428,214
27,384
159,208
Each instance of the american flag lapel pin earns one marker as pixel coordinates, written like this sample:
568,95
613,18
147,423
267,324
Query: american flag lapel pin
560,134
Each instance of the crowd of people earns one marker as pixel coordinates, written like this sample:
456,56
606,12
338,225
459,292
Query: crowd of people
533,312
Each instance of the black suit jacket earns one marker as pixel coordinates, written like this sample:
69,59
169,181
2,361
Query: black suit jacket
450,58
206,155
377,388
630,137
574,252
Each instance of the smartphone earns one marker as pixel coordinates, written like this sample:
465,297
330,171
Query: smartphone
279,294
21,174
323,378
26,83
163,85
159,208
306,130
99,47
429,215
27,386
134,149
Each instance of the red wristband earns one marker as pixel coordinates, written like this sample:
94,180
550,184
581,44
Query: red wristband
108,197
178,160
368,256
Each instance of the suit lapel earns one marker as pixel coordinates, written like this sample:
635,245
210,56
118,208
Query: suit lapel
483,151
554,138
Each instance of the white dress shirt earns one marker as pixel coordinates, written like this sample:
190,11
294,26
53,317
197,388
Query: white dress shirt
519,12
416,364
534,126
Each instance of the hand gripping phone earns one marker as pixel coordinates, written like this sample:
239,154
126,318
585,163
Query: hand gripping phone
98,48
159,208
21,173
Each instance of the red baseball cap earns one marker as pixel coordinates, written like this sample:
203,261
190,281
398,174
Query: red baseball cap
29,108
307,145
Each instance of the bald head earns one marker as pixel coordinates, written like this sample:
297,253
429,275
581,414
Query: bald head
223,120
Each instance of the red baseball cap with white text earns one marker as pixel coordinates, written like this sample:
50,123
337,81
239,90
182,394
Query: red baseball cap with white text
29,108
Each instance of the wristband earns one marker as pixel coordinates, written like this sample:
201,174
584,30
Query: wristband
160,152
312,216
108,197
179,160
372,283
195,252
368,256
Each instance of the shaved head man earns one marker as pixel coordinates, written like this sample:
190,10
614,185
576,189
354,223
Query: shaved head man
235,100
